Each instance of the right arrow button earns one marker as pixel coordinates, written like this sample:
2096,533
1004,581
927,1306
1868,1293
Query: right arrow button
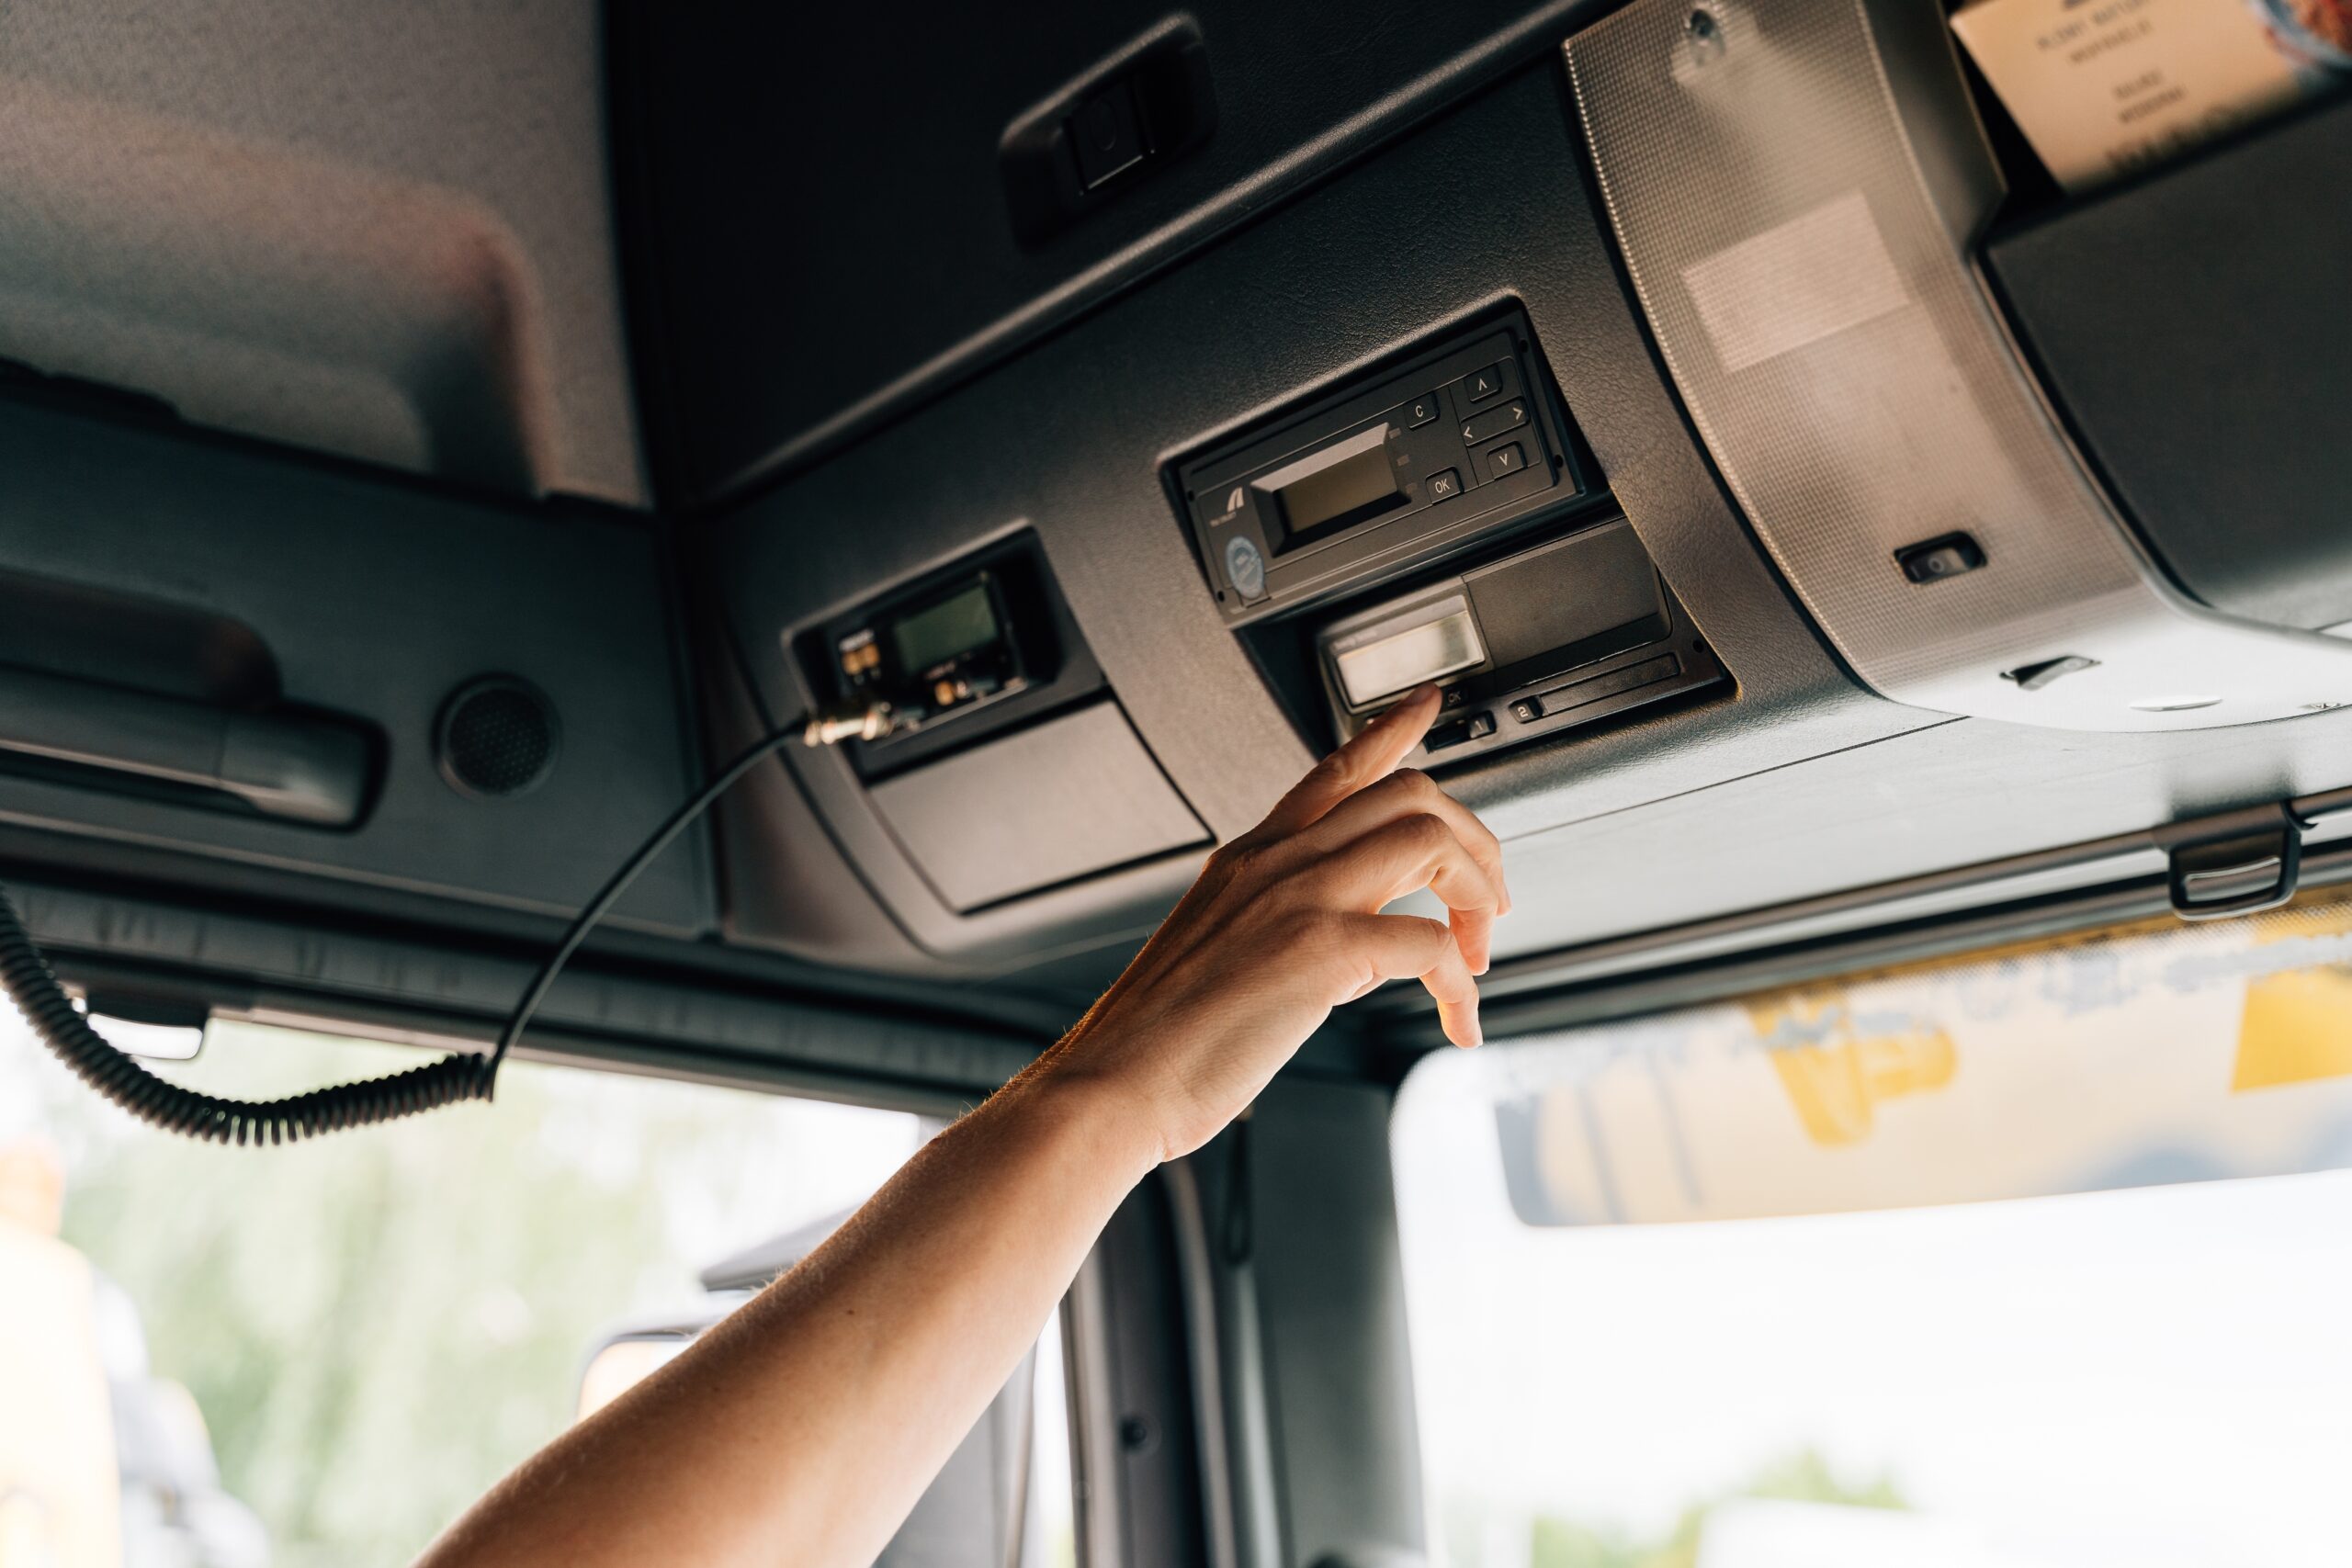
1494,421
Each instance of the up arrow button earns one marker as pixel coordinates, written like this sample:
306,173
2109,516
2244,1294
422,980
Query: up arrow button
1480,385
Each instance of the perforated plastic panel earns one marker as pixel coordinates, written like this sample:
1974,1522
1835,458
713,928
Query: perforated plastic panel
1795,186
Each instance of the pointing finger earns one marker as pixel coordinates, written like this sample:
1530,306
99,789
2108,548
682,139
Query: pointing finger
1369,757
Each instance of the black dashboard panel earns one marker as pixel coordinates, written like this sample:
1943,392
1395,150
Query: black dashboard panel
818,212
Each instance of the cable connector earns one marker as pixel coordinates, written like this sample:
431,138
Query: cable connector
831,727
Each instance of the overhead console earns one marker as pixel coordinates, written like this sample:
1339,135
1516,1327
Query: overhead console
1438,520
1434,516
1454,462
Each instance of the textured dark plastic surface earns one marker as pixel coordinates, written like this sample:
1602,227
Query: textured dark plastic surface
295,767
818,212
1330,1298
2193,329
376,598
1139,1448
803,1028
1097,139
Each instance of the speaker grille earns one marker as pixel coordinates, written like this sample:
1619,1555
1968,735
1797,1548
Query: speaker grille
497,737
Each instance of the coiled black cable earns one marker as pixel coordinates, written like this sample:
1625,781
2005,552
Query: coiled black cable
464,1076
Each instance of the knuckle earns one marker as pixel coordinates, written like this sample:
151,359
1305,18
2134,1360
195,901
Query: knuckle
1407,787
1316,877
1415,785
1272,867
1232,861
1427,830
1333,770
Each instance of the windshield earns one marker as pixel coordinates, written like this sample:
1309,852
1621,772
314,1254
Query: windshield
2033,1260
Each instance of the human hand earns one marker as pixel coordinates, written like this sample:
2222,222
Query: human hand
1283,925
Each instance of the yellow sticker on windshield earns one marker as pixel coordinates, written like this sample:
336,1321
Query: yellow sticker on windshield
1838,1078
2297,1028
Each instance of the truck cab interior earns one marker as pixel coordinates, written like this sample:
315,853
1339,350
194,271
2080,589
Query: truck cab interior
1894,602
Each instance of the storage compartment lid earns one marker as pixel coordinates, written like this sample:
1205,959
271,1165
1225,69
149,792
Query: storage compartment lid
1069,797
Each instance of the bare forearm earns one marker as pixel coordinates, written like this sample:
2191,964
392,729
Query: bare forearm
804,1428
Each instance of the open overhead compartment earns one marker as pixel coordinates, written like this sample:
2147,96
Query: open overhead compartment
2190,327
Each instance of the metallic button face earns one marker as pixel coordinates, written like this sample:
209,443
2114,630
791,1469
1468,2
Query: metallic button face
1245,568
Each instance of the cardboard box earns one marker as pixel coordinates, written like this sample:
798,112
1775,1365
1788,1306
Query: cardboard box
2101,87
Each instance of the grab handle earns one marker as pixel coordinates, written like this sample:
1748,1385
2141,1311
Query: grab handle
301,768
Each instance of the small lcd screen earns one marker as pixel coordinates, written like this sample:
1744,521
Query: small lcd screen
1355,486
953,625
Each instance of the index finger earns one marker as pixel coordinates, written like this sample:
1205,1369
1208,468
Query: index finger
1372,756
